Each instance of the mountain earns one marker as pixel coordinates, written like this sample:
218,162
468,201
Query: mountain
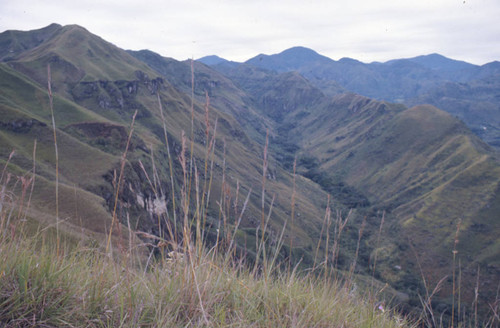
212,60
417,80
289,60
424,169
405,177
224,95
440,63
476,103
97,88
413,164
395,80
12,43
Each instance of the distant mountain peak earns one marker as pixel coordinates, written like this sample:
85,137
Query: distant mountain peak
289,59
299,50
53,25
74,27
348,60
440,62
212,60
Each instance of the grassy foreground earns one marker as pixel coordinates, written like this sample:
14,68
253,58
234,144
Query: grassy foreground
85,288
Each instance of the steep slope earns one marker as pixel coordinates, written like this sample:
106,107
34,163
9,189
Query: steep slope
12,43
75,55
476,103
211,60
418,80
98,87
25,119
224,95
426,170
421,166
275,96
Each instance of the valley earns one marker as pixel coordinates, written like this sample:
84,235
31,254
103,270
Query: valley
407,150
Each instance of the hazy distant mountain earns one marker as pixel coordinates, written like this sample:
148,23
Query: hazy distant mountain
292,59
424,79
395,80
477,103
211,60
440,63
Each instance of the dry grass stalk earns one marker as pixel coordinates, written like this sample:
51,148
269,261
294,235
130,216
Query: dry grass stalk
376,249
427,315
4,197
191,154
292,215
170,164
120,179
232,244
320,239
221,200
51,105
264,176
341,224
353,266
328,224
476,297
32,183
261,247
455,243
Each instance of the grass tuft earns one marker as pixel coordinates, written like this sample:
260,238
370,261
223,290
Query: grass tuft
38,288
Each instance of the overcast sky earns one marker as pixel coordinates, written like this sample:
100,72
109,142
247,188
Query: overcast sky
368,30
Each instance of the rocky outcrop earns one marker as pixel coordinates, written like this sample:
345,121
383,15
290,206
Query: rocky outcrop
21,125
118,94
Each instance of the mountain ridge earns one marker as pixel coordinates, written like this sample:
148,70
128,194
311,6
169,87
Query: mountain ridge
90,105
408,80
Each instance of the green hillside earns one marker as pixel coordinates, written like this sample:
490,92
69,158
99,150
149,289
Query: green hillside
376,197
427,171
467,91
94,105
422,167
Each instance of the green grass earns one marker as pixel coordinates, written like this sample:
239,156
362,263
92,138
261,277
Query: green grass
85,288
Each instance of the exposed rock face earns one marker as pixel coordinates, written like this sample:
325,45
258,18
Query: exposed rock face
151,84
98,129
119,94
20,125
